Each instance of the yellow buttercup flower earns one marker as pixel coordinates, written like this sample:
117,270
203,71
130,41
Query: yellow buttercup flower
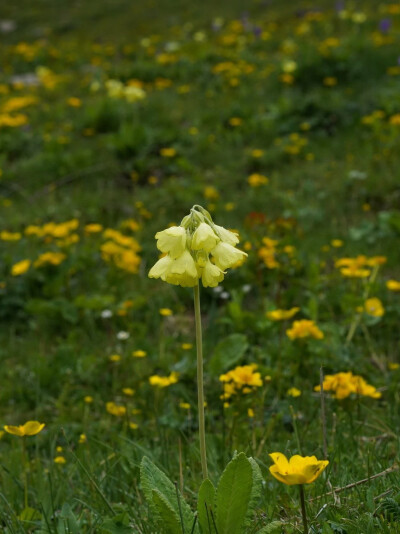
304,328
163,381
256,180
30,428
342,385
115,409
374,307
139,353
393,285
297,470
281,315
241,379
20,268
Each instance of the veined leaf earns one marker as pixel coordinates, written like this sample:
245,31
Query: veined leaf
169,519
255,491
233,495
152,478
228,352
205,504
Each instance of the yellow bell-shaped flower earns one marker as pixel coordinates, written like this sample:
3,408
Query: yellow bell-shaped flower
182,271
211,275
204,238
226,255
226,235
160,269
172,240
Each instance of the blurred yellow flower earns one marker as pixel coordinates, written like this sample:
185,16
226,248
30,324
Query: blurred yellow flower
167,152
294,392
304,328
256,180
60,460
393,285
165,312
74,102
10,236
115,409
241,379
374,307
30,428
20,268
297,470
344,384
281,315
163,381
139,353
93,228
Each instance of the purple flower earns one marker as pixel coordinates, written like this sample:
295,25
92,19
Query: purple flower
339,6
257,31
385,25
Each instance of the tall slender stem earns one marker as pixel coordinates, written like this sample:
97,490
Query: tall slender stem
303,509
25,471
200,386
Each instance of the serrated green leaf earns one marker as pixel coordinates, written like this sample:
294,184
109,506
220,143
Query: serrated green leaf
152,478
273,528
255,491
169,519
228,352
234,495
205,502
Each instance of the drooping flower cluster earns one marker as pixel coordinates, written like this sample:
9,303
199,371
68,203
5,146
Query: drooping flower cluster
304,328
343,385
242,379
196,249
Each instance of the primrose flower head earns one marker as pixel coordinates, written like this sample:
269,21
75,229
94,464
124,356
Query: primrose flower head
30,428
197,249
297,470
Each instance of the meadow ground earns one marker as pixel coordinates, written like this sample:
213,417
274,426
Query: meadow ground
282,121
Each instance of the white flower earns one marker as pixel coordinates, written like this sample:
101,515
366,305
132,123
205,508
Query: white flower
122,335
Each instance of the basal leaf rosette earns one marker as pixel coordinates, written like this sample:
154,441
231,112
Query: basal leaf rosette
196,249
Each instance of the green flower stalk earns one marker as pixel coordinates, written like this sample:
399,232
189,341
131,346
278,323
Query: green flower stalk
197,250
